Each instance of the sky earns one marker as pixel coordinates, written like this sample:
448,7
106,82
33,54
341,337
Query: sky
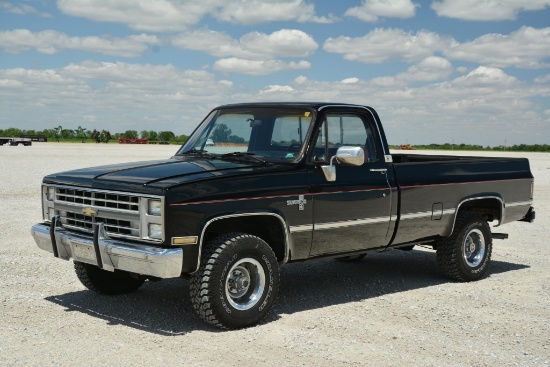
436,71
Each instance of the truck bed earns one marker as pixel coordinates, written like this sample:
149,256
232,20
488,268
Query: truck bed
432,188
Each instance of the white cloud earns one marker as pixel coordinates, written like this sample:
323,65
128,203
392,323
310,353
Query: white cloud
430,69
487,9
265,11
485,78
484,106
300,79
118,95
258,67
380,45
277,89
10,83
23,9
51,42
543,79
89,118
254,45
178,15
371,10
350,81
525,48
144,15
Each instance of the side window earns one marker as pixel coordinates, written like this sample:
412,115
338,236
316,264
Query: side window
339,130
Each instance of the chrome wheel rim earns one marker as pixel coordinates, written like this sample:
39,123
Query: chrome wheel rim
473,248
245,283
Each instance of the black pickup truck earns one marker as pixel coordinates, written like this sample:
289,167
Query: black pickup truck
260,185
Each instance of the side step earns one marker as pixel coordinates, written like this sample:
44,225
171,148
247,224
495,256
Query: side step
499,236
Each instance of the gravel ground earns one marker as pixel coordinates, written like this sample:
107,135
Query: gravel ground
390,309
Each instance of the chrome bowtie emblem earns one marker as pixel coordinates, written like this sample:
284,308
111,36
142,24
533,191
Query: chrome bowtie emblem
88,211
300,202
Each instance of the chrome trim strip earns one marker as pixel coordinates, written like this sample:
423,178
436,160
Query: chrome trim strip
426,214
351,223
114,254
518,203
301,228
416,215
287,235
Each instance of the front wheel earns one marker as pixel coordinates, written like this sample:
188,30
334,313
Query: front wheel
106,282
237,282
466,254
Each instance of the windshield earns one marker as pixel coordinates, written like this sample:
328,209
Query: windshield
266,132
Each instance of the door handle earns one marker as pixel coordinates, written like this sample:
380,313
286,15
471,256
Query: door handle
379,170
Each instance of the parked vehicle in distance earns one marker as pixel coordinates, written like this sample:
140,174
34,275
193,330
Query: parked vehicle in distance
288,182
209,143
16,141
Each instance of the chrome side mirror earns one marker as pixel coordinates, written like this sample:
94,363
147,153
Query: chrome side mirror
350,156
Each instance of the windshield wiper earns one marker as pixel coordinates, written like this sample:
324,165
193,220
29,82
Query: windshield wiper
198,153
244,156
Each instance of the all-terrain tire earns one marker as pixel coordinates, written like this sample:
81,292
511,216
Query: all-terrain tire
466,254
106,282
237,282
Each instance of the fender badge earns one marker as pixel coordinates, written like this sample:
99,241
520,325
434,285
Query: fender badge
300,202
88,211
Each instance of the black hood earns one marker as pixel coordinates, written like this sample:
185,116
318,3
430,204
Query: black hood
153,176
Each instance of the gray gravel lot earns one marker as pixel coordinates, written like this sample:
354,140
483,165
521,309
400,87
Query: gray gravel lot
390,309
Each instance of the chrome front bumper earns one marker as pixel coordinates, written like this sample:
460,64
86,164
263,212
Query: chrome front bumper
106,253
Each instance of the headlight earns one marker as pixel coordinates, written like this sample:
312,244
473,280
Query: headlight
50,194
155,231
154,207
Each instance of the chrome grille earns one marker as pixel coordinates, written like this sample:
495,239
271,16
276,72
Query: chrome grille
126,228
123,215
98,199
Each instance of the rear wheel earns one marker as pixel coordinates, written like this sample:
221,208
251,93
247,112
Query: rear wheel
466,254
106,282
237,282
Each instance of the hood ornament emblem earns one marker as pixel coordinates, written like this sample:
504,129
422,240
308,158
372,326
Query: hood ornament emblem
89,211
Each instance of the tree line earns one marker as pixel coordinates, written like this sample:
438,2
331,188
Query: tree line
83,134
224,134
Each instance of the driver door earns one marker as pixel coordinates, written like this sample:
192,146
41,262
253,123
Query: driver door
353,212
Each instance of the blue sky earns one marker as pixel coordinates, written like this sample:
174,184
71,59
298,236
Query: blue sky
468,71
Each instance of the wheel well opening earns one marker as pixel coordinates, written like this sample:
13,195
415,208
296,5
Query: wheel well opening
490,209
268,228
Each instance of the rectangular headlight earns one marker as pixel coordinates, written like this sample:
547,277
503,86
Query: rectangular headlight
154,207
50,194
155,231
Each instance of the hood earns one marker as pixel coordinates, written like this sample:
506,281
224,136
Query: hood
153,176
